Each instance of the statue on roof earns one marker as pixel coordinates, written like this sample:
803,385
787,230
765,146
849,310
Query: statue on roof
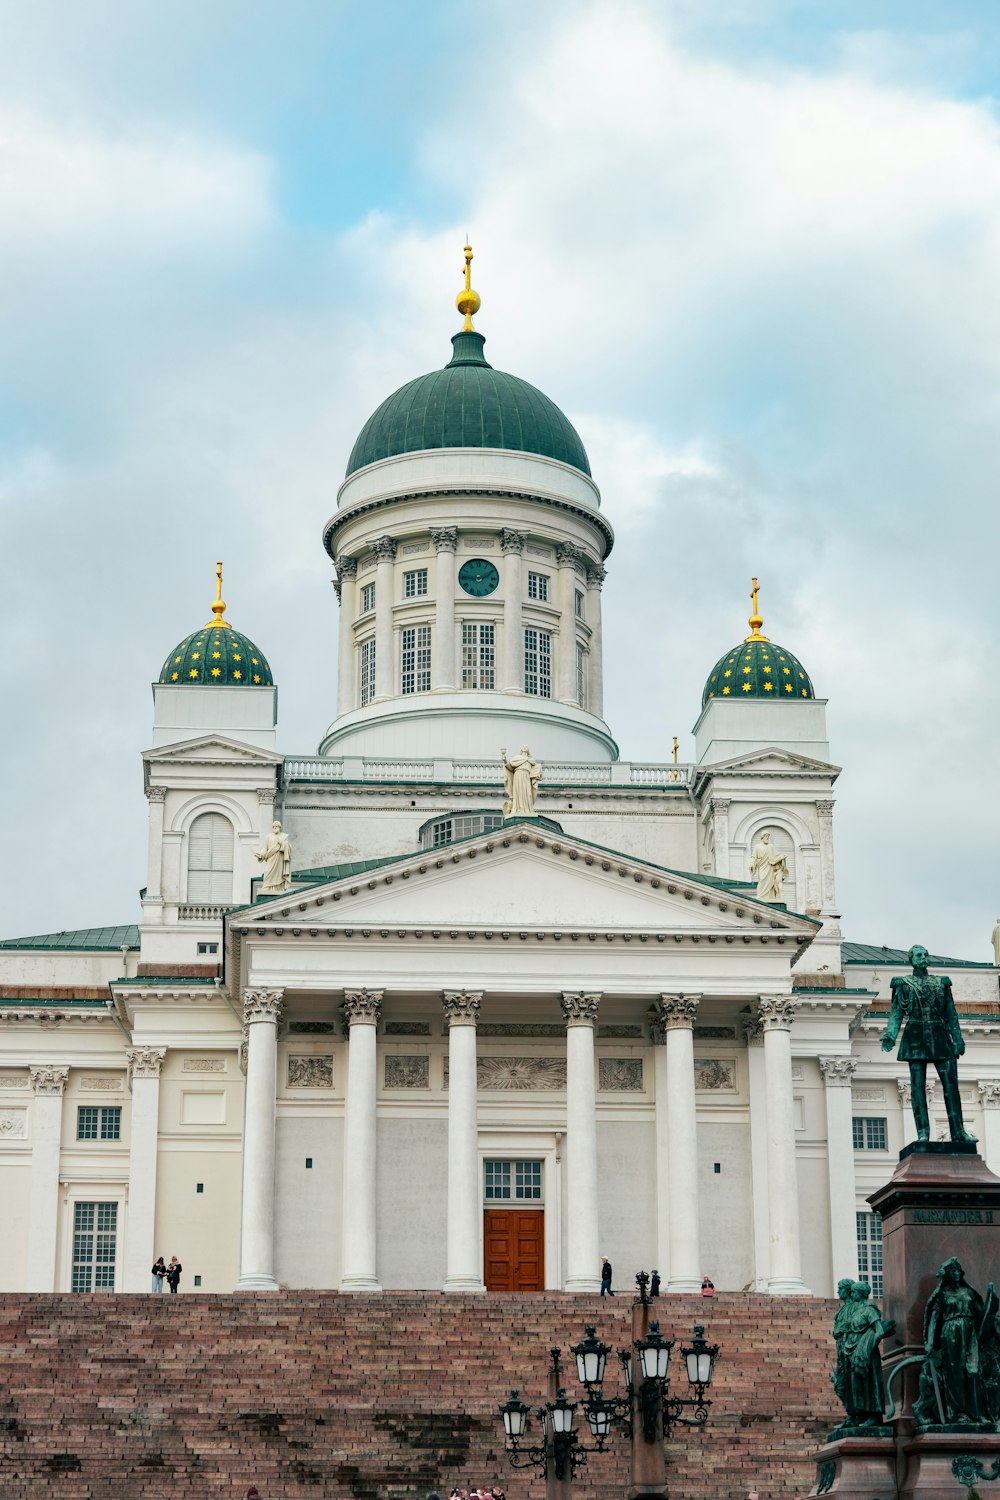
521,776
995,940
932,1035
276,857
770,867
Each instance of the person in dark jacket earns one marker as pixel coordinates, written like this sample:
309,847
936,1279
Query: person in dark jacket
654,1285
606,1277
174,1273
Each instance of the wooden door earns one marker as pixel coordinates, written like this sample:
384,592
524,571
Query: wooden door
514,1249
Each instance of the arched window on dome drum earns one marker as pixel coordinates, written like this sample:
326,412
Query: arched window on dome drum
210,860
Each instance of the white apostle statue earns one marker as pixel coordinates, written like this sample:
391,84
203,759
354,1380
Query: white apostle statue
996,943
521,776
770,867
276,856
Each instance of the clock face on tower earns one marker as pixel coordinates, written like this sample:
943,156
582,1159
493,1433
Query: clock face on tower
478,577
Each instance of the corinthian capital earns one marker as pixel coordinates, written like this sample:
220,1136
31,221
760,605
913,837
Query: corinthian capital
347,567
581,1010
144,1062
512,541
568,554
596,574
363,1007
989,1092
838,1071
445,538
48,1080
461,1007
385,549
776,1012
678,1012
263,1005
156,793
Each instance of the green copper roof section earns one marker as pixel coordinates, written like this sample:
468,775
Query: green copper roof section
870,954
468,404
216,656
83,940
758,669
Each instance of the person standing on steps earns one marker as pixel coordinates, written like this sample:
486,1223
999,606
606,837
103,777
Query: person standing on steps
654,1285
606,1277
174,1273
158,1273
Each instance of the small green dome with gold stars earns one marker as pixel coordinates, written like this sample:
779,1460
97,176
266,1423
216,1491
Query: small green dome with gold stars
217,655
758,668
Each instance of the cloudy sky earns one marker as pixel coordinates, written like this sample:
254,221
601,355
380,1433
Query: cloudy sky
752,247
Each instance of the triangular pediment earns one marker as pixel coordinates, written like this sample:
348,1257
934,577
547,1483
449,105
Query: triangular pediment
528,878
771,760
210,747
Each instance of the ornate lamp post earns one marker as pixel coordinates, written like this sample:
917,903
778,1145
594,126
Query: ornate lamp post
645,1413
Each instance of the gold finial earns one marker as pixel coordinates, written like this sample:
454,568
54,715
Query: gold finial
218,608
755,621
468,301
676,744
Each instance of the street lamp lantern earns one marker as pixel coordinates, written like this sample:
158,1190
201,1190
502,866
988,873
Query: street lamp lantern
515,1416
654,1353
699,1356
599,1419
562,1412
591,1357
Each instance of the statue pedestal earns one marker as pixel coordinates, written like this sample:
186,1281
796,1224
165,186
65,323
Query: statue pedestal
944,1465
862,1466
942,1200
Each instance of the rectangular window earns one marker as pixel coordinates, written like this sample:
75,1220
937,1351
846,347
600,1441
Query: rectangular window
441,833
581,676
538,663
870,1250
479,655
538,587
415,583
465,827
416,659
367,598
869,1134
520,1181
99,1123
579,604
208,947
367,671
95,1233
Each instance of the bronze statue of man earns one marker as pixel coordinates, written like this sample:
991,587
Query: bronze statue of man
932,1035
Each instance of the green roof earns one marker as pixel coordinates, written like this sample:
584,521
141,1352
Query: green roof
468,404
870,953
216,656
83,939
758,669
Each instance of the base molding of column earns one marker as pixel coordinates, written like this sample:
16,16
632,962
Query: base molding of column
584,1284
787,1286
464,1284
683,1284
360,1284
256,1282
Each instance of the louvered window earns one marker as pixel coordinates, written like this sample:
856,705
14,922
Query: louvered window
210,860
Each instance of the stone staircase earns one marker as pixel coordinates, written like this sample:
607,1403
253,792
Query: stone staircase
312,1394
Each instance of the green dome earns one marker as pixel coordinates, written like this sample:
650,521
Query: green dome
468,404
217,656
757,668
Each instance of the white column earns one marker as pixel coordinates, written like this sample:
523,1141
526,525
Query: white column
362,1009
828,891
265,817
989,1146
43,1211
156,795
837,1075
347,595
658,1037
144,1065
595,675
262,1011
511,674
678,1012
567,555
385,666
582,1245
465,1259
443,673
719,808
785,1279
754,1032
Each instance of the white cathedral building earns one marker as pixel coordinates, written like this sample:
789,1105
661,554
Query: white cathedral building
459,1050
